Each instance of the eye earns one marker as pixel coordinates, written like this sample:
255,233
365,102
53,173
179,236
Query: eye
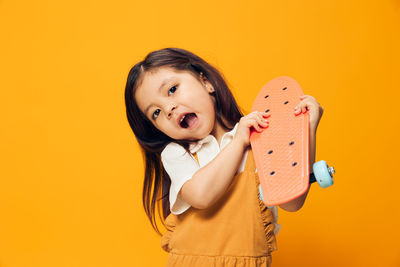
154,113
172,89
157,112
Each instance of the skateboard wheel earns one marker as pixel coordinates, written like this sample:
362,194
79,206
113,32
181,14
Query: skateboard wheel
261,195
323,173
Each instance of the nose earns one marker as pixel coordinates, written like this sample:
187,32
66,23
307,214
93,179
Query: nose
170,112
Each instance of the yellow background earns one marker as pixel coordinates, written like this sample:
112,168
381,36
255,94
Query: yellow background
71,171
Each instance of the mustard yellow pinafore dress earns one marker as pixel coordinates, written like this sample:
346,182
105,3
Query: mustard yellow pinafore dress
238,230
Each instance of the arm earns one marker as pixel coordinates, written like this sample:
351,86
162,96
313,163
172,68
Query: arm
298,203
308,103
209,183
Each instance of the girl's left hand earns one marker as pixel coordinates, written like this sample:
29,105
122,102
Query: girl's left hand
309,103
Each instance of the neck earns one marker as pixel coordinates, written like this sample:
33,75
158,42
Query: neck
219,131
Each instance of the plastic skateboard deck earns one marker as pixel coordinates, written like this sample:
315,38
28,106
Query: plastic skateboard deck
281,151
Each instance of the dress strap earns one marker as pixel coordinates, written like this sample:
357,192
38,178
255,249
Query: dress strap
250,165
196,157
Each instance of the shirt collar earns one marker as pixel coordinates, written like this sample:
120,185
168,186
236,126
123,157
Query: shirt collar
194,147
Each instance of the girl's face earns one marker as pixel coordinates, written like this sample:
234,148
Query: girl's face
177,103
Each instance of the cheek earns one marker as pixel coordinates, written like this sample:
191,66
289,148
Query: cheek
166,128
211,104
205,100
156,124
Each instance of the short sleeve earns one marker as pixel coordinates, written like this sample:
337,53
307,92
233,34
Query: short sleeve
180,166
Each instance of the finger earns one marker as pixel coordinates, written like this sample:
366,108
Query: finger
297,110
266,114
258,114
255,123
254,114
263,115
263,122
301,108
256,127
250,122
308,105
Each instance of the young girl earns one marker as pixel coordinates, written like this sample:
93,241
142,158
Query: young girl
199,162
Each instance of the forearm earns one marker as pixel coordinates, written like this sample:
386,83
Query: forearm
213,179
297,203
312,147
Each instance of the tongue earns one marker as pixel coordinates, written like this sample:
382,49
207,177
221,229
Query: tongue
189,120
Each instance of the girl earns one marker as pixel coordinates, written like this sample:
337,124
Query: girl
199,162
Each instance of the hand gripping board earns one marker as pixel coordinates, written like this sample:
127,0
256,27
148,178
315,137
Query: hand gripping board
281,150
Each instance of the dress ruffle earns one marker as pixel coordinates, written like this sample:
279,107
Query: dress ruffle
227,261
170,223
267,218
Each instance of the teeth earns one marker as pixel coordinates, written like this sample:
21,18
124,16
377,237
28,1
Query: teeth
183,117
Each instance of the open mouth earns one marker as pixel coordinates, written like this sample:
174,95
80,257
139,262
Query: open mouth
188,120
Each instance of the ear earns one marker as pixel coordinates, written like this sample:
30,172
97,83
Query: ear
206,83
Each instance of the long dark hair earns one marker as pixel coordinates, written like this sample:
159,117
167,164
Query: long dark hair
151,140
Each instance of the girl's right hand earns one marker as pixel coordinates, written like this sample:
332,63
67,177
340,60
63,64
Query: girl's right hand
255,119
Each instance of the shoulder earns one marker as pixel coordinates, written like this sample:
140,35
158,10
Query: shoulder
178,163
172,149
175,152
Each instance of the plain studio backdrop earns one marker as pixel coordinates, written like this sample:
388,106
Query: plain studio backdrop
71,172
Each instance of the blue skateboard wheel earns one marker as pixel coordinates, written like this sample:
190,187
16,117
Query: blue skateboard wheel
322,174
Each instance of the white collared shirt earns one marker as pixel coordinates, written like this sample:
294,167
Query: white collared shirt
181,166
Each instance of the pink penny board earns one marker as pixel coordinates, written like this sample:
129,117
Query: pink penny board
281,150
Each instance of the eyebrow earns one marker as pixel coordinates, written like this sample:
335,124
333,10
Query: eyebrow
159,90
